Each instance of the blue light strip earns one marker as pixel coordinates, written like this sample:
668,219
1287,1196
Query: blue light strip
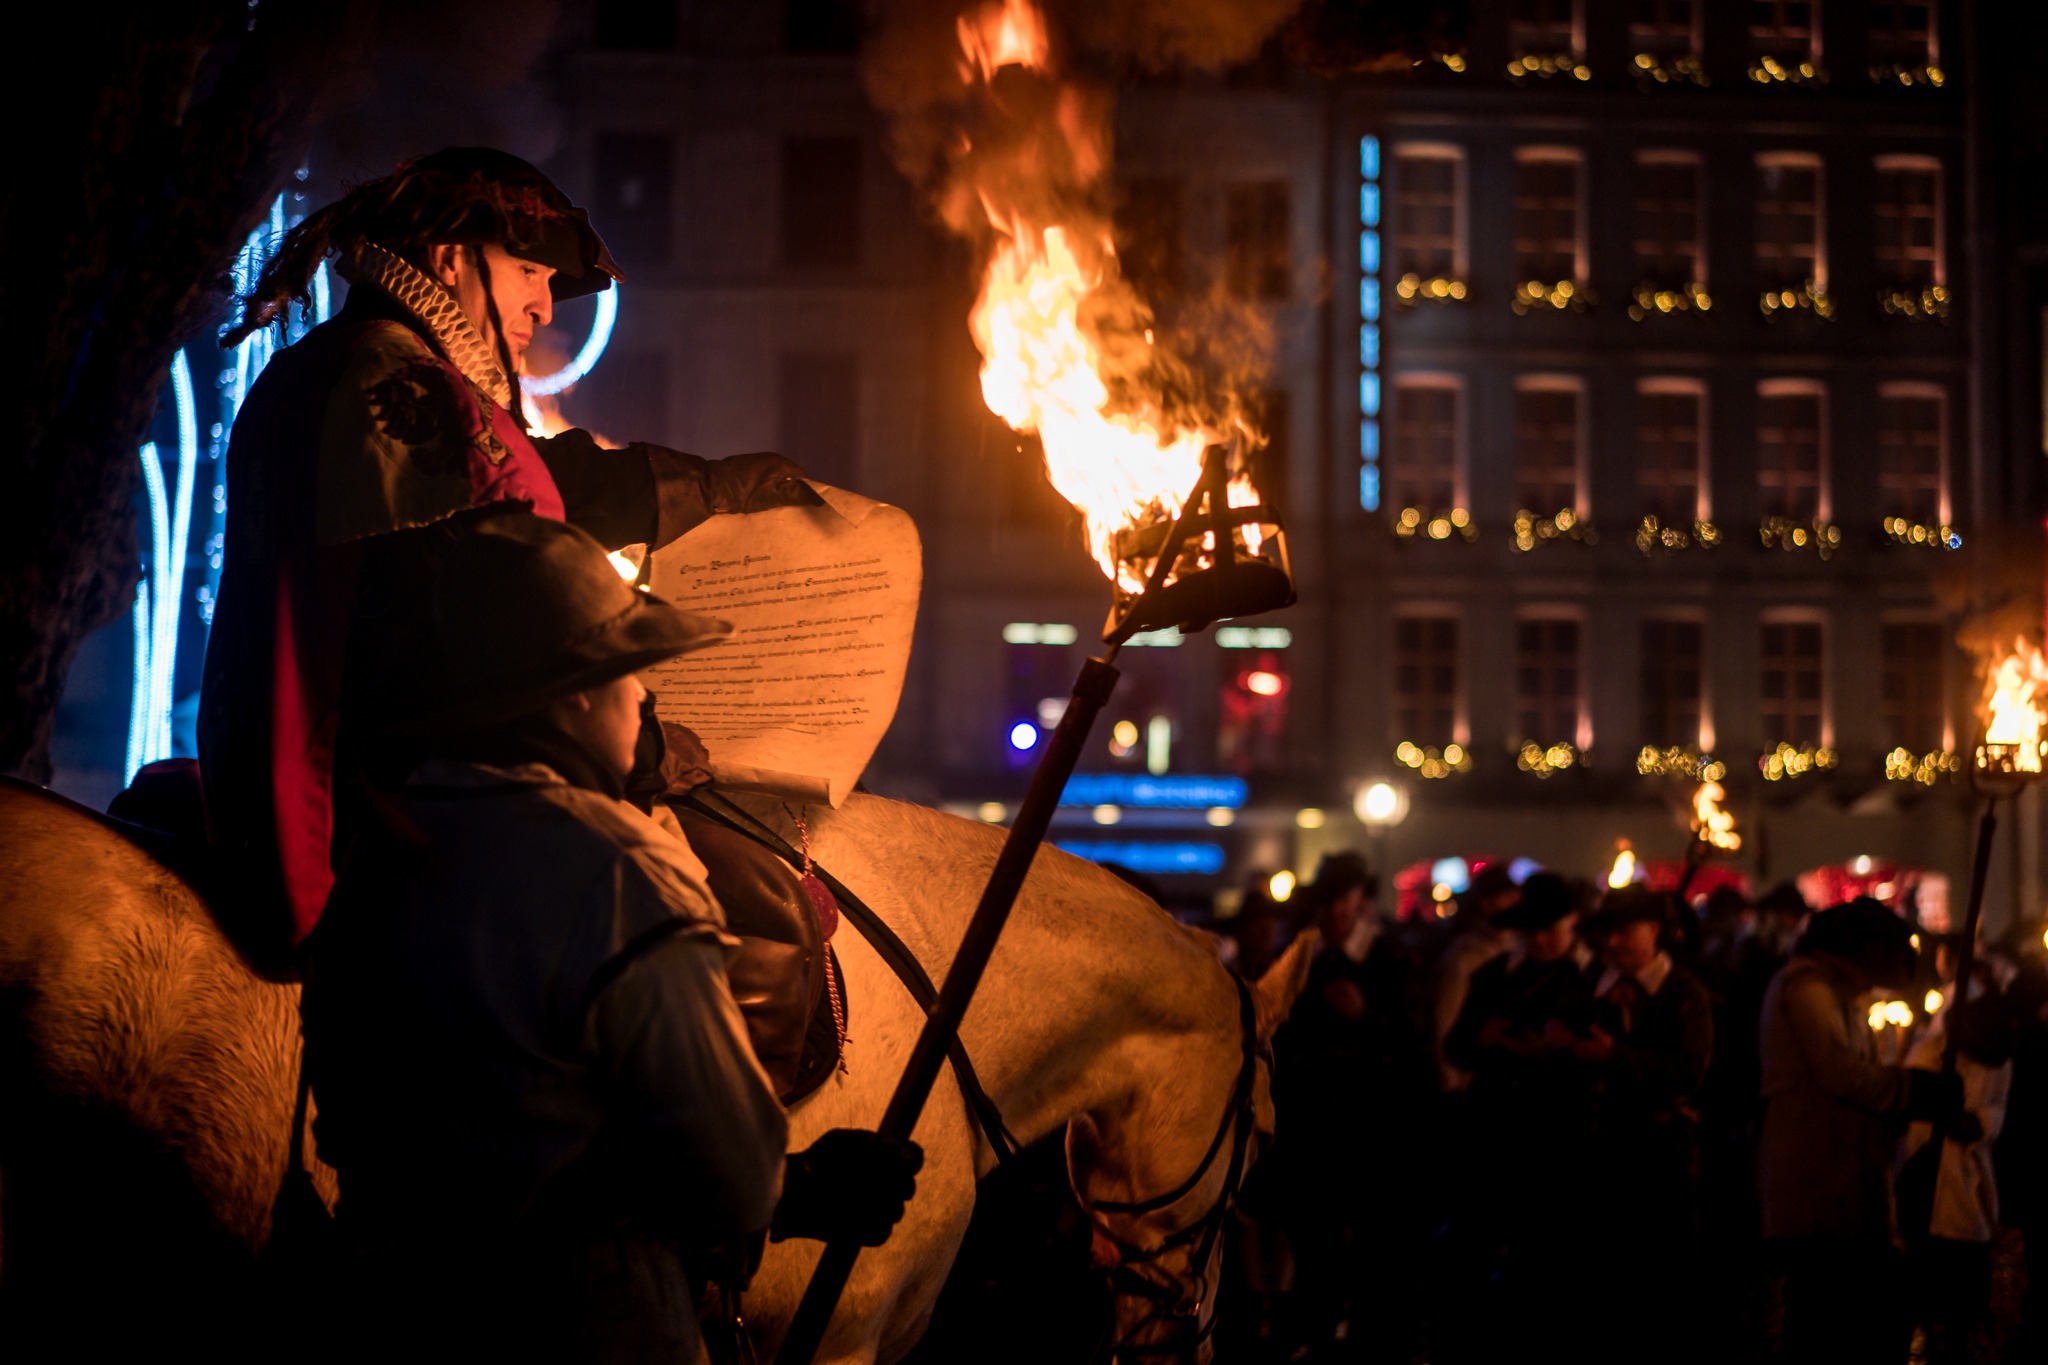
1171,859
1369,323
1184,792
540,386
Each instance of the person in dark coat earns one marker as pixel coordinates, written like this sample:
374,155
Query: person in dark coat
1649,1044
1833,1114
1523,1239
1348,1061
398,412
530,1073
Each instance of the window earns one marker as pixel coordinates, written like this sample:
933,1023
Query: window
1149,234
821,26
1668,254
1429,212
635,25
1428,443
1788,221
1547,432
1909,246
1426,679
818,396
1902,34
1914,654
1547,234
1910,454
1793,689
1670,444
1545,27
1664,28
1671,677
1783,29
1547,680
1257,262
821,217
626,398
634,176
1790,455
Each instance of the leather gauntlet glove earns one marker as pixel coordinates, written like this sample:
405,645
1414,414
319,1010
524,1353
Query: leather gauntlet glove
688,489
849,1185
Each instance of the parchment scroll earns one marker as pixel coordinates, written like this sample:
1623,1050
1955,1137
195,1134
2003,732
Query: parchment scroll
822,601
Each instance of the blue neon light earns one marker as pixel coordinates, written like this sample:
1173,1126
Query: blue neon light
1369,301
1196,860
1143,792
538,386
1455,873
1023,736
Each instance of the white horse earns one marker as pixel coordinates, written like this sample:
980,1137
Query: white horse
147,1076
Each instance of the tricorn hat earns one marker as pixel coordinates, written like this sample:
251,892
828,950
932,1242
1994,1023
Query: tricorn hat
499,612
480,194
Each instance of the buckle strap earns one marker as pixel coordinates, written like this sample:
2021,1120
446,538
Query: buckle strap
981,1110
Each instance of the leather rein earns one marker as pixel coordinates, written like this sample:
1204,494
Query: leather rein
1178,1301
1136,1273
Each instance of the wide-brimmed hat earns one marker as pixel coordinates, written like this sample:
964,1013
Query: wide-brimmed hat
1546,899
497,612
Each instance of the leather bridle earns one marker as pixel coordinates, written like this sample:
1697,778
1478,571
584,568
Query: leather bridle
1178,1301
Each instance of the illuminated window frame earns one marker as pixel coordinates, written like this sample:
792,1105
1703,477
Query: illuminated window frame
1944,682
1676,157
1810,161
1582,702
1823,499
1682,616
1548,154
1802,616
1461,206
1525,36
1582,500
1658,39
1461,721
1944,474
1442,380
1904,161
1703,496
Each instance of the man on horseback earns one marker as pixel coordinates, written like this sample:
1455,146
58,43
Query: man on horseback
399,412
531,1074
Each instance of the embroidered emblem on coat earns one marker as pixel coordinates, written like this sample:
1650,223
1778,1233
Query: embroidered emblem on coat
423,408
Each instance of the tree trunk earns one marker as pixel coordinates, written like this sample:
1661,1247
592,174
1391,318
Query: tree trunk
147,157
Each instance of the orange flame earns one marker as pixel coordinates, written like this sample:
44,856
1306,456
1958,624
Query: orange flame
1714,825
1624,870
2013,698
1041,372
1001,33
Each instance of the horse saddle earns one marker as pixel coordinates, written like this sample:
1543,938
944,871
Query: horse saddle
784,976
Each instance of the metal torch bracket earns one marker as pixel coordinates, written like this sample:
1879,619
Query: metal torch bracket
1234,583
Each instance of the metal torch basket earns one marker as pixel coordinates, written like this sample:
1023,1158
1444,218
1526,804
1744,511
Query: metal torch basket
1201,570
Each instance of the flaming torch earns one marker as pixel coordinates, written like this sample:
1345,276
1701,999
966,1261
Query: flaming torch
1171,514
2008,757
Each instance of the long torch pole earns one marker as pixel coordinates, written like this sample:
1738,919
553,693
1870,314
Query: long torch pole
1091,692
1966,960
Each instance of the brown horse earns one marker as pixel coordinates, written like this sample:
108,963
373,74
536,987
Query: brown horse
147,1078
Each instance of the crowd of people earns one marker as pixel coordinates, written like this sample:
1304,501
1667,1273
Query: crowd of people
1568,1122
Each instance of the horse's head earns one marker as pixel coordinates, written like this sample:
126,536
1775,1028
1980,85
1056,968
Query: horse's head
1163,1250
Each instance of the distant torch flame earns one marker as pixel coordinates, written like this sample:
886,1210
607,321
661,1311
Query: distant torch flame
1624,870
1714,825
1041,371
2017,689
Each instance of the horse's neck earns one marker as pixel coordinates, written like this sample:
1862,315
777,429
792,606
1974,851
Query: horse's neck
1095,1004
